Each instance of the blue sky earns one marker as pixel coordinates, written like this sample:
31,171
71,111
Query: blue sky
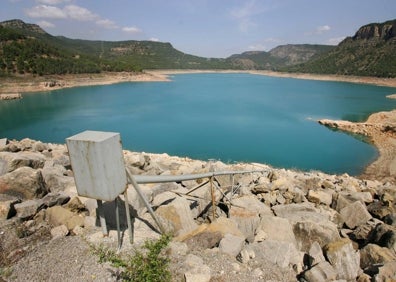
209,28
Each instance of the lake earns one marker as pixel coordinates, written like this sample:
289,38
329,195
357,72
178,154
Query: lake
230,117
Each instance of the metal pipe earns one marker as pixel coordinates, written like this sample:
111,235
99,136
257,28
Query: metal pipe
144,179
128,215
143,198
102,218
117,212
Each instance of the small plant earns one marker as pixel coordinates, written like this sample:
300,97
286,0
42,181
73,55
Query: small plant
149,264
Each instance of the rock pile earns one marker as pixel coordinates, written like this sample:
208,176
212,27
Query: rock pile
273,224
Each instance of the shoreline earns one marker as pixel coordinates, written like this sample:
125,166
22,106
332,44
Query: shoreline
383,167
380,128
54,82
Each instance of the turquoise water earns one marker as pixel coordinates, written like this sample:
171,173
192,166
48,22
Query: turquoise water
231,117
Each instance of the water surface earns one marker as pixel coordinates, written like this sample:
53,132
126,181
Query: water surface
231,117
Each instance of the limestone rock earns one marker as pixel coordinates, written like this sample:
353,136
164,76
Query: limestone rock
30,159
55,199
386,272
320,197
177,217
59,232
58,215
231,244
322,271
28,209
355,214
373,254
197,271
276,228
246,212
315,254
283,254
300,212
344,259
307,232
384,235
7,206
24,182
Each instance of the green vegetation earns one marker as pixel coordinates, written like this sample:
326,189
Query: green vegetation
371,52
27,49
150,264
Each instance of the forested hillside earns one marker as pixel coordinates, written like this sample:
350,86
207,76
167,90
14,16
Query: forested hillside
370,52
27,49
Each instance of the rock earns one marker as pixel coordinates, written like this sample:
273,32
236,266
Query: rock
55,199
7,206
246,254
55,178
344,259
135,201
246,212
307,232
3,142
75,205
373,254
384,235
300,212
28,209
379,209
276,228
320,197
390,219
177,248
386,272
30,159
315,254
177,217
59,232
322,271
207,236
58,215
39,146
282,254
355,214
231,244
197,271
24,182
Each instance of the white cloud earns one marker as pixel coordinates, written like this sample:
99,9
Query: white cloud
154,39
257,47
79,13
45,11
321,29
106,23
131,29
51,2
45,24
243,15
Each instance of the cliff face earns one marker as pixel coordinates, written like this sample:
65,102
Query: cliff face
18,24
384,31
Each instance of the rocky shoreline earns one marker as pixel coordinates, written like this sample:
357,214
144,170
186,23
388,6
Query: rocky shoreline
273,224
380,129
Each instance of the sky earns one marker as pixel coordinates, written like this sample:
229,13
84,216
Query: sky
208,28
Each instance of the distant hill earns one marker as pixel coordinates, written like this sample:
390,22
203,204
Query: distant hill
27,49
370,52
279,57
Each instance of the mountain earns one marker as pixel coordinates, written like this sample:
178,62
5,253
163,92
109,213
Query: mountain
370,52
279,57
27,49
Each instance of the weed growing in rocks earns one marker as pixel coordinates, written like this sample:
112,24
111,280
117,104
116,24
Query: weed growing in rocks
147,264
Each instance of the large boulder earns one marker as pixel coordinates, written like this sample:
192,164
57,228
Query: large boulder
177,217
373,254
246,212
24,182
15,160
275,228
344,259
355,214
